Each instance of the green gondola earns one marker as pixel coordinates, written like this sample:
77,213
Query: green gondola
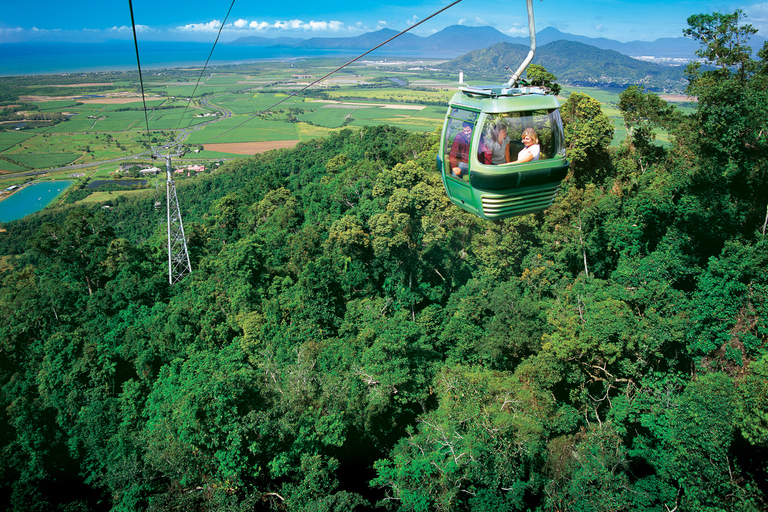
487,133
497,191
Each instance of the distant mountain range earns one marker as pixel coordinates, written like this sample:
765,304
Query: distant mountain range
572,63
459,39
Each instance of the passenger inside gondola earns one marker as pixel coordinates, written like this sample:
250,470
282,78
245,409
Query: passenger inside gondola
459,155
499,144
531,150
514,139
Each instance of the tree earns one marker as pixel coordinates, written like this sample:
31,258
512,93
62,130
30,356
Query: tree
587,471
642,113
732,113
723,38
729,322
479,450
79,245
588,133
539,76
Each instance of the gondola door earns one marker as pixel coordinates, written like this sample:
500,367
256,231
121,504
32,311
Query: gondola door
457,156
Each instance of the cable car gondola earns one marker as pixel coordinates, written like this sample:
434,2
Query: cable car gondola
479,170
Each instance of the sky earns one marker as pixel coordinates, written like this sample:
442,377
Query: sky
200,20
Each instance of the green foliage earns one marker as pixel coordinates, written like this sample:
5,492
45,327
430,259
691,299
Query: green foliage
752,406
478,450
587,472
539,76
588,132
730,306
723,39
349,340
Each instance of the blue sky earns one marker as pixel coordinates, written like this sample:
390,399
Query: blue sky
199,20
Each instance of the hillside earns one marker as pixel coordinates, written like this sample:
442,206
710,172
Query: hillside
573,63
459,39
351,341
348,336
453,40
456,40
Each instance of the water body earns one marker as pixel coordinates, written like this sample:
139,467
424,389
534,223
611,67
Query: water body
30,199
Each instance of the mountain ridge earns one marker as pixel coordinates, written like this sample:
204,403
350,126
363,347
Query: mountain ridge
573,63
458,39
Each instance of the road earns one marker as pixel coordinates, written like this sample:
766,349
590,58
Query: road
182,135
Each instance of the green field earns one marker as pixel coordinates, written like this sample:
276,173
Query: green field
9,139
98,197
10,166
43,160
236,104
252,130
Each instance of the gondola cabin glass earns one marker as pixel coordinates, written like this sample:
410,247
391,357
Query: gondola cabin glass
502,156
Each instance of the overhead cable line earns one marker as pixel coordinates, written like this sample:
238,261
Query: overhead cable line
141,81
335,70
205,66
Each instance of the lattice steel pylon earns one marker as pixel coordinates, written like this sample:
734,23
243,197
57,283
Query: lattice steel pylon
178,256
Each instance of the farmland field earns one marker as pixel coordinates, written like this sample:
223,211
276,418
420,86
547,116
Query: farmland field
11,139
6,167
42,160
236,111
253,130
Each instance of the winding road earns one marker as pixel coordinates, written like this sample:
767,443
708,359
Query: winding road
182,135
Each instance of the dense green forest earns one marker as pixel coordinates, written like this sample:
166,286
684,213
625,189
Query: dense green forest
349,340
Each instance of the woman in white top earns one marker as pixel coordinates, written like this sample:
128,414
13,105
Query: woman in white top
532,150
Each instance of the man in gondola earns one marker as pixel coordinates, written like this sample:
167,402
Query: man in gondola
459,155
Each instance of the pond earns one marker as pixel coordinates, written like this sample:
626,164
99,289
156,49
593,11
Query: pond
30,199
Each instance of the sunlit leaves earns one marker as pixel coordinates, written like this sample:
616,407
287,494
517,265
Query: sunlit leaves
478,447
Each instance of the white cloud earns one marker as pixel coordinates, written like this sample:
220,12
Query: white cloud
211,26
259,25
757,16
313,25
414,19
331,26
288,25
8,34
517,31
44,30
241,23
125,29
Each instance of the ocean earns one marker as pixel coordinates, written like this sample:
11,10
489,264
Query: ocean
57,58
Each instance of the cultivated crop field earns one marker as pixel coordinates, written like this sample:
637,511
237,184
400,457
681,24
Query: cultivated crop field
233,111
239,105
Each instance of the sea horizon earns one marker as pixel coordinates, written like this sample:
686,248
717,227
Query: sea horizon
49,58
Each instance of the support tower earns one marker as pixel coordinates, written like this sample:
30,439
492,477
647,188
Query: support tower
178,255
